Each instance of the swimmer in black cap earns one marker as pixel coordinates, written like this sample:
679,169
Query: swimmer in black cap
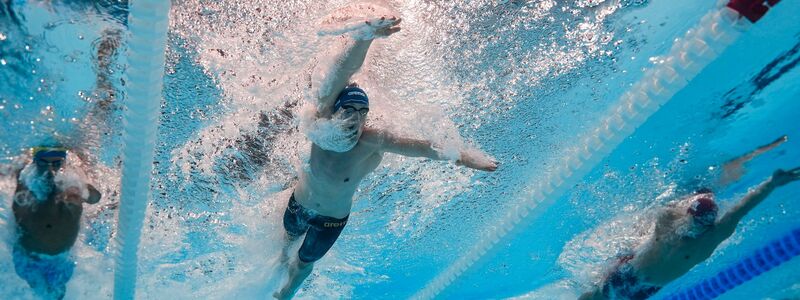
686,233
320,205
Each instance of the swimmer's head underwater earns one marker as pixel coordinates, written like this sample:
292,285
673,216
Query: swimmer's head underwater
703,210
48,159
351,107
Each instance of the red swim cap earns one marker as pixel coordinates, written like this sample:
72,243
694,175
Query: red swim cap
702,206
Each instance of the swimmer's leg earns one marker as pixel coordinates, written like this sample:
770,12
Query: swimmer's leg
298,272
97,121
288,240
319,239
107,47
733,169
47,277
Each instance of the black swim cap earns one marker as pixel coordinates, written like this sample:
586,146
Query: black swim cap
351,95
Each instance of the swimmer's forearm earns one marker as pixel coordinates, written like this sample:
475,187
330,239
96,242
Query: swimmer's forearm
414,148
750,201
354,57
756,152
342,66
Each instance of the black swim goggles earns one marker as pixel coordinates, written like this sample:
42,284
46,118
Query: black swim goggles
351,109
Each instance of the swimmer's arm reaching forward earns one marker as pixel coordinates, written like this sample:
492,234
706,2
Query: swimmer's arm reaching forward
388,142
341,61
727,224
733,169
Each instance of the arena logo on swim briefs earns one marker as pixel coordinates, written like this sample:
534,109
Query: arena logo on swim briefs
335,224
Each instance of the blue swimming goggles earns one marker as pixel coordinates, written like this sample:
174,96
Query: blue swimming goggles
49,156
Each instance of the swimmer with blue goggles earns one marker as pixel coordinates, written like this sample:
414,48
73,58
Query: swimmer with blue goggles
49,157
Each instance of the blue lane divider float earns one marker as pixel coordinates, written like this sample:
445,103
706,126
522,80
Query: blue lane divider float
773,254
148,22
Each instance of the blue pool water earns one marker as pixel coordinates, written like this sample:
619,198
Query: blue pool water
518,79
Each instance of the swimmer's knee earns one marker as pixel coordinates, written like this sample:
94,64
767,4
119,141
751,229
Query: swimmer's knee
307,259
305,266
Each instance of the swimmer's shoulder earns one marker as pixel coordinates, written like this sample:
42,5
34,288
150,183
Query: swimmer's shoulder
375,137
15,165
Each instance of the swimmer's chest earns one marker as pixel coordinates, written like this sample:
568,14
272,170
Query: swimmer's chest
48,227
346,167
671,259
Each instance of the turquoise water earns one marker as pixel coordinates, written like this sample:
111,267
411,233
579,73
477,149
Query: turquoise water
516,79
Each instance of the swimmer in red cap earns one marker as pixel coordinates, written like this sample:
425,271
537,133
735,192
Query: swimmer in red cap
686,233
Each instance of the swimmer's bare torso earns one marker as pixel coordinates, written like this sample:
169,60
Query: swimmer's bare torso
328,184
668,256
48,227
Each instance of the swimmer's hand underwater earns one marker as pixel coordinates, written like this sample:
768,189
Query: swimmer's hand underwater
362,21
385,26
73,195
477,160
781,177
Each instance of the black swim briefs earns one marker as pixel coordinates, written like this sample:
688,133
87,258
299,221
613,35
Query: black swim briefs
321,231
623,284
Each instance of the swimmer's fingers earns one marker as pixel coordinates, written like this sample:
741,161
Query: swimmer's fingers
384,22
778,141
387,31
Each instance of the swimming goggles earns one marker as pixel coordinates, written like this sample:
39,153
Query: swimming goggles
49,156
351,109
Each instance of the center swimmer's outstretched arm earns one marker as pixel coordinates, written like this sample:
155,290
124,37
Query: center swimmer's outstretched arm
388,142
341,61
727,224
